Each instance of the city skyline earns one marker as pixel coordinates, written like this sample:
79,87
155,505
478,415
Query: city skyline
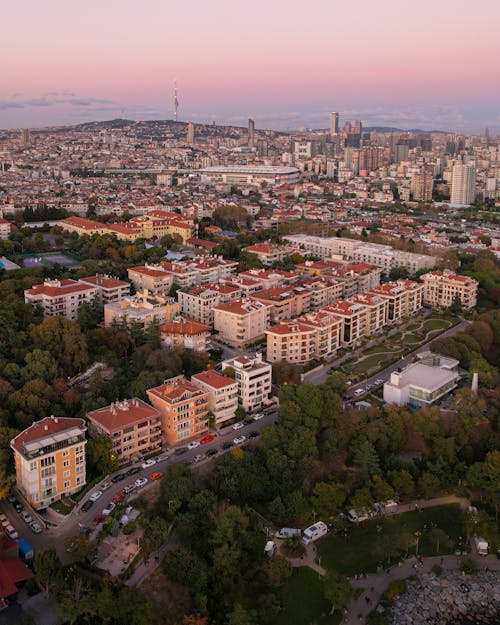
428,68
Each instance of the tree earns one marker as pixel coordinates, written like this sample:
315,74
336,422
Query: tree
429,485
185,567
278,570
48,568
100,457
337,590
382,491
440,538
176,489
240,616
64,340
40,364
483,334
327,499
402,482
361,500
78,547
366,460
155,534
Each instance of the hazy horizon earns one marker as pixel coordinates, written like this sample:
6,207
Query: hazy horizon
430,65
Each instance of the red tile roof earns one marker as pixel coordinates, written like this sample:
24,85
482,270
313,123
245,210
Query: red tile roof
123,414
45,427
214,379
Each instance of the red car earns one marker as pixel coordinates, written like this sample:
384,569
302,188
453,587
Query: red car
157,475
98,519
207,439
118,497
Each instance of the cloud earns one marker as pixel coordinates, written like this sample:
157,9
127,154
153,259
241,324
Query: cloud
52,99
10,104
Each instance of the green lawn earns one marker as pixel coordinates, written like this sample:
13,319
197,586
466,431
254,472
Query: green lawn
436,324
303,601
367,546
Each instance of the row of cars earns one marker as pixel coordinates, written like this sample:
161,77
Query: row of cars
369,387
7,526
238,440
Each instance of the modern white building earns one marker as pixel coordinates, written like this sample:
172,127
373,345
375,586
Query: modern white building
222,394
422,383
61,298
254,378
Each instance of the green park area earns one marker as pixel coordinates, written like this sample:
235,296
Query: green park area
391,348
382,542
303,601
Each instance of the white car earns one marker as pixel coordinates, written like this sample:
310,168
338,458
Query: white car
35,527
148,463
258,416
95,496
359,391
198,458
379,381
193,444
109,509
162,458
27,518
239,439
239,425
140,482
11,532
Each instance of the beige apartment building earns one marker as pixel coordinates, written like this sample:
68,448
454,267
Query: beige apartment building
222,394
49,458
185,333
285,302
268,253
141,309
404,297
198,302
183,408
254,378
152,278
132,425
82,226
355,321
242,321
442,287
61,298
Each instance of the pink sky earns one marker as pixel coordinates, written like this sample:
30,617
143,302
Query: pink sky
65,62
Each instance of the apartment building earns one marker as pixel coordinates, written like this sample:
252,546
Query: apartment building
254,378
222,394
441,288
376,308
142,309
242,321
355,321
383,256
152,278
183,408
5,229
270,278
49,458
268,253
404,297
109,288
133,426
185,333
198,302
285,302
61,298
247,286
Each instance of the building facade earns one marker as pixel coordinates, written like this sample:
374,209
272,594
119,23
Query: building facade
242,321
442,288
222,394
254,379
62,298
49,458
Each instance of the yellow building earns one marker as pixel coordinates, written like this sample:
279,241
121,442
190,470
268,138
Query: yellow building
49,458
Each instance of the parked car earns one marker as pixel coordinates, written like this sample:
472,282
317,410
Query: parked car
140,482
98,519
11,498
198,458
379,381
239,425
211,452
17,506
259,415
157,475
119,497
148,463
193,444
227,445
118,477
134,470
95,495
109,509
11,532
36,528
5,523
180,450
87,505
26,517
162,458
253,434
239,439
105,485
248,421
2,517
207,439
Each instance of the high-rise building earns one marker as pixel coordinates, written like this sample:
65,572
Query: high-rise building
402,151
334,124
358,127
190,133
421,183
251,133
463,181
25,136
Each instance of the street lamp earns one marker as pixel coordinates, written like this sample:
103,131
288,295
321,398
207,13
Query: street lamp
417,534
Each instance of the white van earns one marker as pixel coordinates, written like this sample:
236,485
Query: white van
355,517
359,391
313,532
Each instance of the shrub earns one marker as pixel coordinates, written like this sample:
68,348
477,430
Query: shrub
468,566
437,570
129,528
395,589
376,618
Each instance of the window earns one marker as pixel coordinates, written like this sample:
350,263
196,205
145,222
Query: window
66,452
66,463
66,473
67,484
33,466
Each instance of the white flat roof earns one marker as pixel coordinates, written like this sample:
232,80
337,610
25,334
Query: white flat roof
244,169
425,377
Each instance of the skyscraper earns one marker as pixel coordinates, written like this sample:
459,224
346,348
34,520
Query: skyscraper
251,133
358,127
190,133
463,181
421,185
334,124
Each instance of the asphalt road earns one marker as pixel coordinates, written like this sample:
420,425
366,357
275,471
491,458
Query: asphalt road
71,524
